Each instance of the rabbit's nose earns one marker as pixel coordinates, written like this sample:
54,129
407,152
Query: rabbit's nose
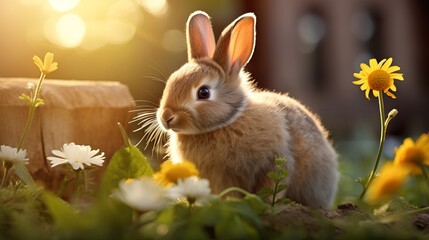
167,116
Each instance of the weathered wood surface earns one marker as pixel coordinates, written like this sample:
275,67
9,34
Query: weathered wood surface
83,112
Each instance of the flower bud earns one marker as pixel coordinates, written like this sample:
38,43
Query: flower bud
392,113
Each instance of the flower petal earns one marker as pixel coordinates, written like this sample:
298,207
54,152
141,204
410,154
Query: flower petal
359,82
397,76
380,63
52,67
367,93
38,62
387,64
49,57
59,153
358,75
393,87
390,94
365,68
373,63
393,69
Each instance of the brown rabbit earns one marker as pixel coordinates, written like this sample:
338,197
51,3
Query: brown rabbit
216,118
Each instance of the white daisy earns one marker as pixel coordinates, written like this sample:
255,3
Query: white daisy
142,194
194,189
12,155
76,156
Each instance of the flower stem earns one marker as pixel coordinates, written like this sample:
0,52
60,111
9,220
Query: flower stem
6,171
383,125
425,174
78,189
85,181
276,188
20,169
234,189
27,127
127,140
31,112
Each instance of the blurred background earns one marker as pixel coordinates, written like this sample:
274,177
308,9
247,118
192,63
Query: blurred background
308,48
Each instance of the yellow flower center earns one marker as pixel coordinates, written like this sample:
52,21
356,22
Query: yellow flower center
170,172
379,80
179,171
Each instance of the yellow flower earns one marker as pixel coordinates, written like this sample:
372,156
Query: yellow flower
384,186
171,172
47,66
412,155
378,77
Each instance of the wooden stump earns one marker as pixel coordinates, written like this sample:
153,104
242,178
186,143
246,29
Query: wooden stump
83,112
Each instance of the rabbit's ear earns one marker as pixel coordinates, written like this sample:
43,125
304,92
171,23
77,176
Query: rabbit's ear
199,36
236,44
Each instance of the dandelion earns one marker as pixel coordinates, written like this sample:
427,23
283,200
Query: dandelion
171,172
30,86
142,194
47,66
387,184
378,77
413,155
76,156
13,155
195,190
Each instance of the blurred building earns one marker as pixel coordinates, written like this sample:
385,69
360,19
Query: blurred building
311,48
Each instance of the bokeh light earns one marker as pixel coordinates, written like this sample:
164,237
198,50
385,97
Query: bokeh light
118,32
70,30
311,30
155,7
63,5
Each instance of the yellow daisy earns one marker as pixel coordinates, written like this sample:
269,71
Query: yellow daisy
378,77
412,155
171,172
387,183
47,66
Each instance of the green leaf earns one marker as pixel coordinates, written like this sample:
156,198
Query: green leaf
236,227
256,203
265,192
273,176
22,172
65,216
39,102
281,187
25,98
127,162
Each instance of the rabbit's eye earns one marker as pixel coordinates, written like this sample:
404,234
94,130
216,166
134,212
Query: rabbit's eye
203,93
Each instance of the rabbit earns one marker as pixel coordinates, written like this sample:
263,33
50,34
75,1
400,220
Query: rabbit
216,118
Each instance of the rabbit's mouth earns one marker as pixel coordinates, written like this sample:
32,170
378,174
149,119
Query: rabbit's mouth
176,121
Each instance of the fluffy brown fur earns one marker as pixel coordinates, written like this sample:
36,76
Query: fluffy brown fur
235,134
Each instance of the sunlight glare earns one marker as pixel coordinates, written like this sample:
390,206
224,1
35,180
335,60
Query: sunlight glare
155,7
94,37
118,31
70,30
31,2
63,5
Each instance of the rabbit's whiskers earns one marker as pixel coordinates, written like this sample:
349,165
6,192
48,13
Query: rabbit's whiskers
146,120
